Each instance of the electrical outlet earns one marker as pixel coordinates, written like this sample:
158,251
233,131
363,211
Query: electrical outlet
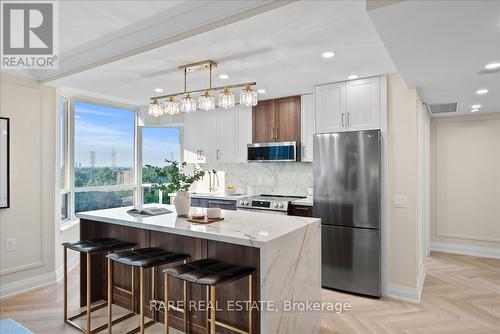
400,201
10,245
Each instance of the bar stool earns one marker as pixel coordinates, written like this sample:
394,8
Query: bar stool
143,258
213,274
90,247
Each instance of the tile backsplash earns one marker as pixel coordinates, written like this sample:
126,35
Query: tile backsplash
284,178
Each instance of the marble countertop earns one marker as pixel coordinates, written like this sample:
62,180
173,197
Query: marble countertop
304,201
238,227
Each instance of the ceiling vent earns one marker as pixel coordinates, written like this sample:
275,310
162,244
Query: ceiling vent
441,108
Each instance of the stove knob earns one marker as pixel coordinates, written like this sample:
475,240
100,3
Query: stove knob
245,203
240,202
282,205
274,204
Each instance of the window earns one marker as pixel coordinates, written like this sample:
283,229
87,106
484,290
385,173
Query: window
158,145
104,157
98,166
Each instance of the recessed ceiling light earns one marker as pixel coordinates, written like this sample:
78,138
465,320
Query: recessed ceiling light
476,106
224,76
328,54
492,66
158,90
352,76
261,91
482,91
474,110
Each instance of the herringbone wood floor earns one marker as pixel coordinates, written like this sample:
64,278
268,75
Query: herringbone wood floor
461,295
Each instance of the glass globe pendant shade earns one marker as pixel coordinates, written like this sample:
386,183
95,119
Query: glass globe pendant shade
188,104
248,97
155,109
171,106
226,99
206,101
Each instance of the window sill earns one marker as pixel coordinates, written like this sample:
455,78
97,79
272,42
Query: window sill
69,224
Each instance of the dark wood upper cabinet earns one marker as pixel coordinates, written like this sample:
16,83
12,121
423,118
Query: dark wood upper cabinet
263,122
276,120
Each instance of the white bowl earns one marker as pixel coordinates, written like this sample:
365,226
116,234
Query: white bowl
230,192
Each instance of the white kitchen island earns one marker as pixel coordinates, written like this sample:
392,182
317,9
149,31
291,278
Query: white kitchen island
285,250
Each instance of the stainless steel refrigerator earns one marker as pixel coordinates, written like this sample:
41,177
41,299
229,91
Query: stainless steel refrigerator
347,199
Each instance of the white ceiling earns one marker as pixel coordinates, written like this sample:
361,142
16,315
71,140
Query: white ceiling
279,49
439,46
82,22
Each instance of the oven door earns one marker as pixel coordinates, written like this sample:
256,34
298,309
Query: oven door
272,152
283,213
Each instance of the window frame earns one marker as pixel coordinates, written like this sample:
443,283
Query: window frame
72,190
65,146
137,186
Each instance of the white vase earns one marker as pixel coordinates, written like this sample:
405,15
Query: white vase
182,203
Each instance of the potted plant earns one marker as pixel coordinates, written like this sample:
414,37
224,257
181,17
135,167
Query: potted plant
176,180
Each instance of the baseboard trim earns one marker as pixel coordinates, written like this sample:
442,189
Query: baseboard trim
27,284
403,293
406,294
492,253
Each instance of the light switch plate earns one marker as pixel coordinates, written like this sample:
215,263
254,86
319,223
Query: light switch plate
10,245
400,201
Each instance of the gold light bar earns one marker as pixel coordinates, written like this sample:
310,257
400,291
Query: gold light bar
204,89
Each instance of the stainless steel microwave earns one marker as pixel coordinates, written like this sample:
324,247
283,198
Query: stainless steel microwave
272,152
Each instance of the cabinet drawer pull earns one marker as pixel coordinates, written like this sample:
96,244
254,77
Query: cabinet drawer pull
342,119
348,119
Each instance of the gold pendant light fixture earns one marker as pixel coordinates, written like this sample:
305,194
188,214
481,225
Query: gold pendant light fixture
169,104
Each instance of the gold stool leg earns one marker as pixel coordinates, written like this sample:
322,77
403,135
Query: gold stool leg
89,295
132,269
65,259
185,308
153,294
141,302
207,318
166,304
110,296
212,310
250,299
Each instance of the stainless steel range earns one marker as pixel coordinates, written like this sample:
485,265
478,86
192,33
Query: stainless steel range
267,203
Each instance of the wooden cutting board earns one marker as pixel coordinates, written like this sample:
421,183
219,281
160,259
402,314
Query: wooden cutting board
204,220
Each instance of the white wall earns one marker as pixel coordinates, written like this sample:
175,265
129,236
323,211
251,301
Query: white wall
32,215
406,137
466,185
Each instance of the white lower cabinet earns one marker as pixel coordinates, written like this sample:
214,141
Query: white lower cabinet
220,135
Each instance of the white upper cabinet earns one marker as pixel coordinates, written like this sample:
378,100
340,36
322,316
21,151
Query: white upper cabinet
226,145
218,135
210,136
307,127
193,137
349,106
330,107
243,133
363,104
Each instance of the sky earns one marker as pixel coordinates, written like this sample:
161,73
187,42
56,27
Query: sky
101,129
